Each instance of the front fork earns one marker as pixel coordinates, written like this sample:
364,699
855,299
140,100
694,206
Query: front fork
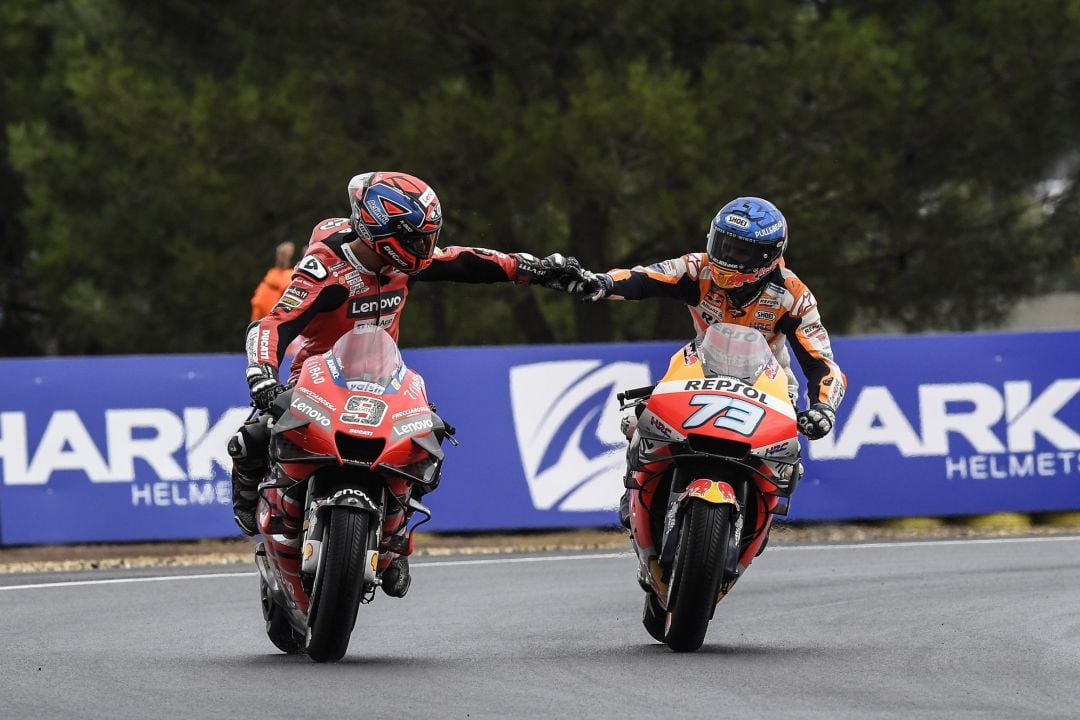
657,554
315,529
390,504
714,492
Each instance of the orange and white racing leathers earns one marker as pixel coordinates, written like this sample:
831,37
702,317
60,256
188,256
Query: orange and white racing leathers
782,308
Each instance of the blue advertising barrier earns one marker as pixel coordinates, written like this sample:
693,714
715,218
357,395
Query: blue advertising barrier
133,448
950,425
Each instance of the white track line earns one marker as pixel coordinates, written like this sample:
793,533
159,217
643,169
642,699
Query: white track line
204,576
927,543
531,558
120,581
567,558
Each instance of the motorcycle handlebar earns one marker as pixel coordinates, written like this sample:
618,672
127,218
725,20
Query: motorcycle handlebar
635,393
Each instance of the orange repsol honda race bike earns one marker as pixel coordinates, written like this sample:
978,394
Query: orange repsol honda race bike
714,456
352,445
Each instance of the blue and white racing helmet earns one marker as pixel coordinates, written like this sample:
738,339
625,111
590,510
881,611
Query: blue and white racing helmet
746,241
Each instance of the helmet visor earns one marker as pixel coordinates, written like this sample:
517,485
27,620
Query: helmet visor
739,253
420,244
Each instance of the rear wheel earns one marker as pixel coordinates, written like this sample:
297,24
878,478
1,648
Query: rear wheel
278,628
339,584
653,617
695,577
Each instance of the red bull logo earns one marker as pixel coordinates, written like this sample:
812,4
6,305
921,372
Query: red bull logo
712,491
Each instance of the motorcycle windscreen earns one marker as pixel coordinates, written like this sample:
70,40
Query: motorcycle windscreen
368,354
735,351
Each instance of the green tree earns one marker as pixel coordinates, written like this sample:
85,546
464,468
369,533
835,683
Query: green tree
154,153
27,89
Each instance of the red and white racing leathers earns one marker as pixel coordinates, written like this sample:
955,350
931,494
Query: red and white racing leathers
783,308
331,292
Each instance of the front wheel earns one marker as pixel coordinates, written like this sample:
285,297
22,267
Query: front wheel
339,584
695,578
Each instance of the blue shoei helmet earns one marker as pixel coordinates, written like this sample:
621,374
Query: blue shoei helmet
746,240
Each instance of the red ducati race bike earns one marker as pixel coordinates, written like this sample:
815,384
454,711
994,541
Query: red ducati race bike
714,457
352,445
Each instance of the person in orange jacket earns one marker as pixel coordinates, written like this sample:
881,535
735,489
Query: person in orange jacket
277,279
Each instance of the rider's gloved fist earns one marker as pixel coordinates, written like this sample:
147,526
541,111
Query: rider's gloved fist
560,271
263,384
592,286
556,271
817,421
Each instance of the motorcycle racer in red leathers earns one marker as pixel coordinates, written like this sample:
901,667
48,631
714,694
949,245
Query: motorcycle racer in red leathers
742,279
358,271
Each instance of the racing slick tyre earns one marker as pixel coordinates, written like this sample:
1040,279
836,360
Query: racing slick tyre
278,628
339,584
695,577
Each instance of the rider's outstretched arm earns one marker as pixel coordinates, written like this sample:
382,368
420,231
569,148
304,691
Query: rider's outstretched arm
469,265
678,278
480,265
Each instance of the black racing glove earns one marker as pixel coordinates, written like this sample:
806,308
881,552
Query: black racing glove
592,286
263,384
817,422
556,271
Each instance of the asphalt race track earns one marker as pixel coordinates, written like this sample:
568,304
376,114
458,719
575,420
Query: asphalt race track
954,629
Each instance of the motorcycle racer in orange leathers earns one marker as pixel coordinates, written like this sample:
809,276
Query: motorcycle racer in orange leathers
742,279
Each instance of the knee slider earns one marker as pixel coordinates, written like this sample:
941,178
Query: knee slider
237,447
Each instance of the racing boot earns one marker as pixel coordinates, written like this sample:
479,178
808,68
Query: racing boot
245,498
395,578
248,450
796,474
624,509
